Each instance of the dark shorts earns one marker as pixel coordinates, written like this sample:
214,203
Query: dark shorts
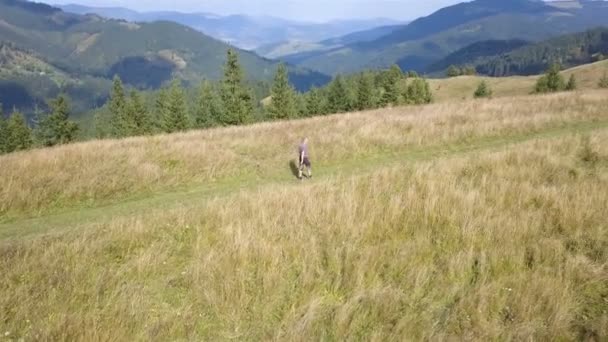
306,162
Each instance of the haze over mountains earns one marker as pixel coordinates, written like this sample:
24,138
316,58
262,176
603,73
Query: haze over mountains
244,31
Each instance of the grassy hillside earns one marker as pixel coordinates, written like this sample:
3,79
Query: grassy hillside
459,220
463,87
429,39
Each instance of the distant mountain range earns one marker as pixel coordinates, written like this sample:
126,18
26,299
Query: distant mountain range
427,40
45,50
506,58
246,32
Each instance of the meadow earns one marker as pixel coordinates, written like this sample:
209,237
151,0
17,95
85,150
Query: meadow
475,220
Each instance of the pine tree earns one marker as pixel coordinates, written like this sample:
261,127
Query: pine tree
175,113
137,118
3,132
56,128
365,92
603,83
337,96
418,91
552,81
483,90
453,71
283,105
161,105
390,86
412,74
236,98
19,134
301,105
208,112
314,102
117,106
571,83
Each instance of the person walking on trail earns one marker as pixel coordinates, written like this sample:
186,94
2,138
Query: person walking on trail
304,159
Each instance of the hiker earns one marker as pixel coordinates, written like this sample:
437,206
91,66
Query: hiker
303,159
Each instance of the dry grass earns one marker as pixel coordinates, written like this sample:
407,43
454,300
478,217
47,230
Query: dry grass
91,173
463,87
493,246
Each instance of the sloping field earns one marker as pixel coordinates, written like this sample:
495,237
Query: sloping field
471,220
463,87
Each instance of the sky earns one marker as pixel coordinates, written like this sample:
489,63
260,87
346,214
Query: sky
304,10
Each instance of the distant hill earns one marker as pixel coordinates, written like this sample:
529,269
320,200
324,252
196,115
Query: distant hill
472,54
429,39
79,54
247,32
505,58
297,49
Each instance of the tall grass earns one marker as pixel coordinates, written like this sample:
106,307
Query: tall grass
492,246
104,171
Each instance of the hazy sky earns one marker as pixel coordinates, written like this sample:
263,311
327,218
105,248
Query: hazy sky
317,10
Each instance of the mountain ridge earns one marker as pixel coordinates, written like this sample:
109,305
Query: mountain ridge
428,39
246,32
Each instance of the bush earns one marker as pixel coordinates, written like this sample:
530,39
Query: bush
551,82
483,91
571,83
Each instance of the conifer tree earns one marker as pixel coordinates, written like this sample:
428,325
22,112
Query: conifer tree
390,85
483,90
283,96
603,83
56,128
208,111
19,134
412,74
314,102
160,108
117,107
418,92
552,81
453,71
571,83
337,96
175,110
365,92
236,98
137,118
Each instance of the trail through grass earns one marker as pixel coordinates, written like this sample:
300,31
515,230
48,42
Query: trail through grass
70,218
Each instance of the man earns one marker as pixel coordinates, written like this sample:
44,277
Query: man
303,159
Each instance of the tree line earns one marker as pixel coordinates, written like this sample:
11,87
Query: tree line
50,128
229,101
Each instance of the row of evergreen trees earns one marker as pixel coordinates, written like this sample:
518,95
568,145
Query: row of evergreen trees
50,129
231,101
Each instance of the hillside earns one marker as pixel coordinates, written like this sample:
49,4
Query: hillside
476,220
427,40
246,32
504,58
91,50
463,87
